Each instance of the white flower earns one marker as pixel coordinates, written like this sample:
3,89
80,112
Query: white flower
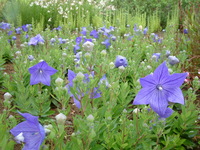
7,96
61,118
88,46
136,110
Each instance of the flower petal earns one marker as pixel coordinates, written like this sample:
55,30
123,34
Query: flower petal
71,76
45,79
167,113
147,81
159,103
144,96
77,103
174,80
161,73
175,95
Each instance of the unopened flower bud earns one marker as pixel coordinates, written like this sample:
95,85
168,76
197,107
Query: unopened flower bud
90,118
136,110
103,52
121,68
7,96
112,65
60,119
59,81
80,76
88,46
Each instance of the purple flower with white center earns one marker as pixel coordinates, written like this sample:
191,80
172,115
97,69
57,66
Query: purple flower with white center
173,60
160,88
4,26
18,30
40,73
145,31
78,40
36,40
120,61
94,94
31,130
185,31
10,33
156,56
84,31
106,43
94,33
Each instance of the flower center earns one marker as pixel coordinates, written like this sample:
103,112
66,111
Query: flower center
41,71
159,87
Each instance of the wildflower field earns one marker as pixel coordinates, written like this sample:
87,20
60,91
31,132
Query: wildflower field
99,75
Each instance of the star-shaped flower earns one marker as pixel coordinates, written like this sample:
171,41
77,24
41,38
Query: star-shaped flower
31,131
41,72
160,88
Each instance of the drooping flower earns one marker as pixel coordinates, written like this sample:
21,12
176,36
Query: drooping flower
160,88
36,40
173,60
31,131
76,47
40,73
78,40
120,61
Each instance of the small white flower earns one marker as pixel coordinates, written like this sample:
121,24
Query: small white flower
121,68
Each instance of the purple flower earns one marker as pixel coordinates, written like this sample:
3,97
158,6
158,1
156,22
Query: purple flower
4,26
26,36
78,40
185,31
14,38
58,28
84,31
25,27
156,56
130,38
157,39
18,30
94,33
173,60
52,41
76,47
160,88
31,130
62,41
41,72
10,33
113,38
167,53
145,31
31,58
120,61
106,43
85,40
36,40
